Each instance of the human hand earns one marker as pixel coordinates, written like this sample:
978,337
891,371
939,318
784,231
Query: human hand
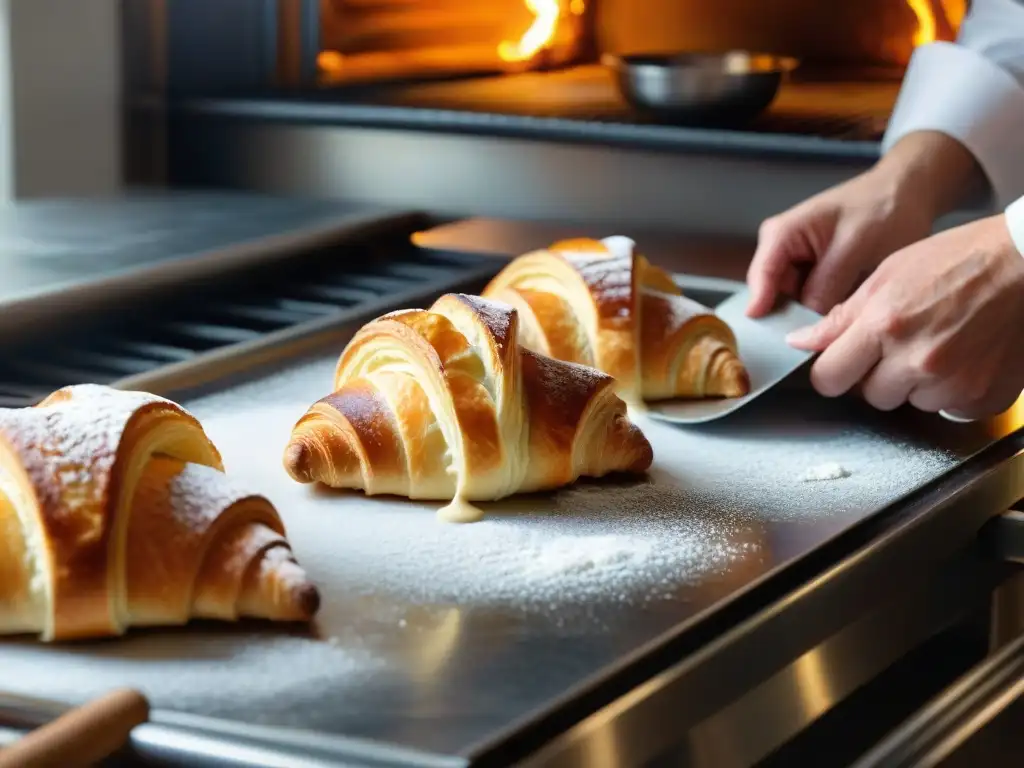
818,251
936,325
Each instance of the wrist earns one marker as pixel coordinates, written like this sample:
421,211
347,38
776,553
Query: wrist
931,170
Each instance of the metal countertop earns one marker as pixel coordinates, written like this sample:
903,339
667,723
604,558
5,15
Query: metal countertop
439,638
51,246
446,639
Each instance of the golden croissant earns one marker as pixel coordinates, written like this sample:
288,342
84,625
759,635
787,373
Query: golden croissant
599,303
116,512
445,404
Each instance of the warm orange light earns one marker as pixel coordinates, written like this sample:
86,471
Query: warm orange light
539,35
330,62
926,21
955,11
1009,420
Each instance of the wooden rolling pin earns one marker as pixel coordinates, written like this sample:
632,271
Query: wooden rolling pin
82,736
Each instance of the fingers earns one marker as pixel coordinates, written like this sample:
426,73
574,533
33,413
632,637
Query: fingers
888,385
850,348
846,362
946,396
772,269
931,398
818,336
835,277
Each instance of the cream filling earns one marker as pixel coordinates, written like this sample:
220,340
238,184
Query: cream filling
458,510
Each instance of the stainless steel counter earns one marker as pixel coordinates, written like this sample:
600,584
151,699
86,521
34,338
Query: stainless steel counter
449,640
47,246
602,622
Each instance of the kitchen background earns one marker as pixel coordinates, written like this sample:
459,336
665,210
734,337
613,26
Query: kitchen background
504,108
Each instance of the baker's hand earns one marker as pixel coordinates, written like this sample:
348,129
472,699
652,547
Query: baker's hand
820,250
937,325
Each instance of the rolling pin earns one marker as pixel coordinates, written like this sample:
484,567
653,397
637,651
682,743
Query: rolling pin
82,736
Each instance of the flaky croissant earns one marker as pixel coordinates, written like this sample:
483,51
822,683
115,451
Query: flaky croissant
115,512
445,404
599,303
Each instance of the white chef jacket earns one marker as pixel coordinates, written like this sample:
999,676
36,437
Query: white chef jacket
973,91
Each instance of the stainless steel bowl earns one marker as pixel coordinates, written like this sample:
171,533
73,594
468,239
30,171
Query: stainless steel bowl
735,85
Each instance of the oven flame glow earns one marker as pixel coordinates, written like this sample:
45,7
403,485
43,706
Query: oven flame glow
926,21
955,11
937,19
541,32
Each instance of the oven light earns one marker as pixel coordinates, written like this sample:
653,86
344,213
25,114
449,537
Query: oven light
540,34
925,21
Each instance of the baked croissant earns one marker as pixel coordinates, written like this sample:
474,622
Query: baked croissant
200,548
445,404
599,303
107,500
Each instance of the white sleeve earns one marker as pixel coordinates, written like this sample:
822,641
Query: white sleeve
973,91
1015,223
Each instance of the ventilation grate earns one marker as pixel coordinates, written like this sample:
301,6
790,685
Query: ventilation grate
340,285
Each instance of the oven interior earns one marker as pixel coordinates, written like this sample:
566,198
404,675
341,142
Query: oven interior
542,58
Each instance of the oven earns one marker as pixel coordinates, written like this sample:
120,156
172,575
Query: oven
507,108
264,176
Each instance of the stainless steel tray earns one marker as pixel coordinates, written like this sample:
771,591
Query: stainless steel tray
450,640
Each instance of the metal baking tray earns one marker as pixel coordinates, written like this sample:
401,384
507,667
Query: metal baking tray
440,644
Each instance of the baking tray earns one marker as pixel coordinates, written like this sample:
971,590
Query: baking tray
450,640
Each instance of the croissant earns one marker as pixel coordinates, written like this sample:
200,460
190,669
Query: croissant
599,303
200,548
115,511
445,404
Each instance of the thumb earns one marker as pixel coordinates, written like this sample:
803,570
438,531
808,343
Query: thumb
772,261
818,336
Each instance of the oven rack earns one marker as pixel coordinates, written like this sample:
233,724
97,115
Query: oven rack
247,308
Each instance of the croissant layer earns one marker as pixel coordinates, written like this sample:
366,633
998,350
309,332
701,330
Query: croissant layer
113,505
599,303
445,403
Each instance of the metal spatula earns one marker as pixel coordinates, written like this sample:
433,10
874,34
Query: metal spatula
763,350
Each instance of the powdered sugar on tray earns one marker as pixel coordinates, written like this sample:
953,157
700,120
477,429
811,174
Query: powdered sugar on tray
704,511
403,591
192,669
831,471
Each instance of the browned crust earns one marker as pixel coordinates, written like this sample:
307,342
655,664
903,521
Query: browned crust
180,512
671,323
560,399
443,346
643,319
373,424
73,448
498,318
557,395
612,283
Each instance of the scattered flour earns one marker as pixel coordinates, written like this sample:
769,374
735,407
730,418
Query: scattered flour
192,670
706,510
831,471
719,506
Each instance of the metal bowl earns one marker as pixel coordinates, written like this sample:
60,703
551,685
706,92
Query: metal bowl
735,85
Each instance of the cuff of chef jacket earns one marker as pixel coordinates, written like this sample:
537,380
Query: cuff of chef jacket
957,91
1015,223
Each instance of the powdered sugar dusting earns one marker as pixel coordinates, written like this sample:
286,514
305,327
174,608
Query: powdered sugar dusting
74,437
702,513
831,471
190,670
419,612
